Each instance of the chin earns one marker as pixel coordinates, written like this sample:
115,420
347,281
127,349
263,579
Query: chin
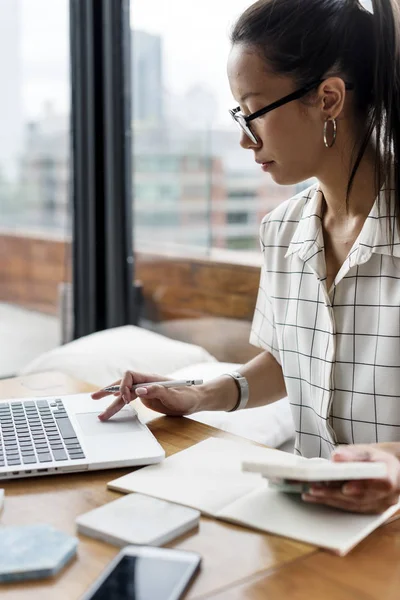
281,177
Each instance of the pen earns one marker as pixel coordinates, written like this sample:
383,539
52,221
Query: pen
168,384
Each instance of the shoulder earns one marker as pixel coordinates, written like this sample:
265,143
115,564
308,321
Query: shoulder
278,227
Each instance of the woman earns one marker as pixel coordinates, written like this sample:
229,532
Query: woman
318,87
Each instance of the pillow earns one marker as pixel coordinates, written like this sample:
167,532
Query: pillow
271,425
103,357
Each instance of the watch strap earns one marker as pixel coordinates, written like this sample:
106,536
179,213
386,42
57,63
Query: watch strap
243,388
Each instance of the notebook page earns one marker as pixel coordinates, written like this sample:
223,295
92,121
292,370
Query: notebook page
287,515
206,476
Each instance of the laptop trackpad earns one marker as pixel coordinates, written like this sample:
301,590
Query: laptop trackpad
123,422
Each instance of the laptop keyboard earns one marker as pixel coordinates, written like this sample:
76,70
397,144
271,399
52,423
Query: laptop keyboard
36,431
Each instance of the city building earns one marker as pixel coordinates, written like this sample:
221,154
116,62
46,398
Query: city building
11,96
147,78
193,185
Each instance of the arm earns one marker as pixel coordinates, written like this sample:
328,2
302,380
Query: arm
266,385
263,373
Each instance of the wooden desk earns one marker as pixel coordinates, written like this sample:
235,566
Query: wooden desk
237,563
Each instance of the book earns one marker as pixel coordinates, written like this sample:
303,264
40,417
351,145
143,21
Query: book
313,470
208,477
138,519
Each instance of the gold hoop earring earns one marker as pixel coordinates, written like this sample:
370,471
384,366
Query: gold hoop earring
327,144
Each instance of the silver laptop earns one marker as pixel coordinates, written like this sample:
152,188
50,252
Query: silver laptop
63,434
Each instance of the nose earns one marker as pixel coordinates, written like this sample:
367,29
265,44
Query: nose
248,143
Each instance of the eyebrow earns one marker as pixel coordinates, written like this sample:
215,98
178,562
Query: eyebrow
246,96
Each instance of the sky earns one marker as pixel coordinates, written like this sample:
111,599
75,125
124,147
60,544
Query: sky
195,47
44,54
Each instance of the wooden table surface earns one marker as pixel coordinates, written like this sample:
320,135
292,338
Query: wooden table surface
238,563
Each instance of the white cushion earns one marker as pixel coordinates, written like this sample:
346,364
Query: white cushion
103,357
271,425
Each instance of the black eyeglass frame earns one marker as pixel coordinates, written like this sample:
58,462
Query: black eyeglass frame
243,120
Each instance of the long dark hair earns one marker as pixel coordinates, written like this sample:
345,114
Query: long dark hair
307,39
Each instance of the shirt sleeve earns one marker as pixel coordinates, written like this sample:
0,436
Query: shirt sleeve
263,329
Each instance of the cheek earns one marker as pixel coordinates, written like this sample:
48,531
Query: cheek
290,134
293,142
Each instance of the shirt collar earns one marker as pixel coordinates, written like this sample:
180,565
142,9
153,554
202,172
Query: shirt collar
374,237
308,235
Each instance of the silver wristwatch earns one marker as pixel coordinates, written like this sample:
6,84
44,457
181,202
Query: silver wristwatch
243,387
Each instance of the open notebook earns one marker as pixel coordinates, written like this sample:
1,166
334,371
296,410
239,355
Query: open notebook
208,477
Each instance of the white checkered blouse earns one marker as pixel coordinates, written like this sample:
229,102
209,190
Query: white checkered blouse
339,351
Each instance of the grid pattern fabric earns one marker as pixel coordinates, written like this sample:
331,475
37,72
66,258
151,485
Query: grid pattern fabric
340,348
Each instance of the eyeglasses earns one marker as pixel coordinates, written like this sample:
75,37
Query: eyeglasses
244,120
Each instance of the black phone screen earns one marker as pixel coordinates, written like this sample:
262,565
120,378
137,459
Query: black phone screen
146,578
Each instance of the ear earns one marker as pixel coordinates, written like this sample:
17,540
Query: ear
332,95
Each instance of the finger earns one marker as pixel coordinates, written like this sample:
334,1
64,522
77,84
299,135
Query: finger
374,507
362,501
129,380
157,398
112,409
352,453
152,391
352,492
154,404
373,454
102,394
343,503
367,486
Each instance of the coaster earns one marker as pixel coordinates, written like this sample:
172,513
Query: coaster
34,552
138,519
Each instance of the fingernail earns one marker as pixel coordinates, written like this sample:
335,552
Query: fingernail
355,455
316,491
342,452
349,489
141,391
308,498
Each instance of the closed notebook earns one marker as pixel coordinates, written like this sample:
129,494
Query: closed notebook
138,519
209,477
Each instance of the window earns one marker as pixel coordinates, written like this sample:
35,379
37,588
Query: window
34,173
183,130
237,218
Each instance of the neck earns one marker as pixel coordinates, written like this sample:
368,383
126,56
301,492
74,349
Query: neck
334,178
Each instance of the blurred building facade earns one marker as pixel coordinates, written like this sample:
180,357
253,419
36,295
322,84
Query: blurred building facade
11,95
193,185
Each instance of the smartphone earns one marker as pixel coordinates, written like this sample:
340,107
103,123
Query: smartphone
146,573
290,487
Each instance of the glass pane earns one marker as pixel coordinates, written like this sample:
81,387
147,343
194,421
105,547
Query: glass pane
34,172
195,188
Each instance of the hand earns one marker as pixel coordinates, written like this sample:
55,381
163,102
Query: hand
168,401
369,496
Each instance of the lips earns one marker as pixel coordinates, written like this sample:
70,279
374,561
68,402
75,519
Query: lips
266,166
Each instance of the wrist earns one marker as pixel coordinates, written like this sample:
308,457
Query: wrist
218,394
